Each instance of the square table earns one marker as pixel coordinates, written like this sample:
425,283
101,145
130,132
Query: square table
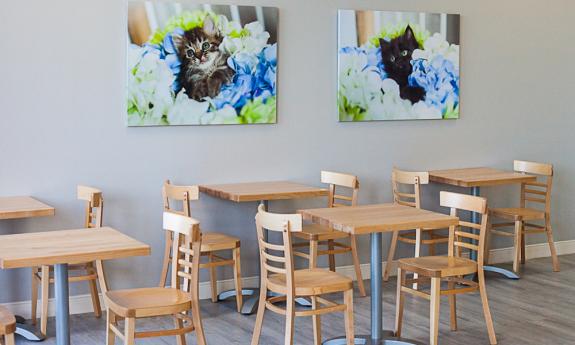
475,178
61,248
13,207
262,192
375,220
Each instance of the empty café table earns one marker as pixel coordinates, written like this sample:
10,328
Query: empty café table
475,178
262,192
375,220
61,248
18,207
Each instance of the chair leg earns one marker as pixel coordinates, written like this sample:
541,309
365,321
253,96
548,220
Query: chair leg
316,323
357,266
522,243
417,252
110,335
45,299
432,246
238,278
549,233
180,338
130,331
452,307
390,255
260,315
197,321
349,327
94,292
517,245
486,311
290,318
331,247
9,338
399,302
213,279
34,299
434,310
313,253
167,259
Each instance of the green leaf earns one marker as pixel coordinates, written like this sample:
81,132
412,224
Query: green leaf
258,111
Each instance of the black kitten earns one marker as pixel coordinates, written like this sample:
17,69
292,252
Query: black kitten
396,55
204,67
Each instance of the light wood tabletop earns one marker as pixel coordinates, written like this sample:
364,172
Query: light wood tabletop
478,177
67,247
367,219
12,207
257,191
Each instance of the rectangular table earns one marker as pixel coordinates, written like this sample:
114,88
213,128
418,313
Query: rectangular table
262,192
61,248
375,220
475,178
13,207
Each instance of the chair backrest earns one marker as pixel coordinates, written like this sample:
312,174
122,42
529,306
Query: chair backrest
458,237
536,192
181,194
277,258
187,240
337,181
407,187
94,206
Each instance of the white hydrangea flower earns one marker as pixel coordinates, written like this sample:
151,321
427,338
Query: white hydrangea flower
437,45
187,111
253,42
387,104
226,115
358,83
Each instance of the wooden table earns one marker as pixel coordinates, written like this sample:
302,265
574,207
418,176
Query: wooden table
375,220
17,207
262,192
61,248
12,207
475,178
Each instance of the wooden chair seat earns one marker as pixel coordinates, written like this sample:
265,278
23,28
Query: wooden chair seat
214,241
317,232
438,266
518,213
311,282
147,302
7,321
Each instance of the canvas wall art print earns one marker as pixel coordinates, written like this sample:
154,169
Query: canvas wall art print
191,64
397,66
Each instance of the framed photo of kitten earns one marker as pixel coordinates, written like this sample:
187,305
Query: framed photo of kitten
397,66
192,64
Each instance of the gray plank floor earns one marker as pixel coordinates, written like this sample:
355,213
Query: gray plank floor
539,309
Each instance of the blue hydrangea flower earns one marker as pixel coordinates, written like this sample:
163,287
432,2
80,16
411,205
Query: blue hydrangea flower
169,52
373,57
440,79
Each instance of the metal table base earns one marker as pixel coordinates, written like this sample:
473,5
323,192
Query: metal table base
62,304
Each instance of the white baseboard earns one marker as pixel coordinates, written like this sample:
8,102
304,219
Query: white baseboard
83,303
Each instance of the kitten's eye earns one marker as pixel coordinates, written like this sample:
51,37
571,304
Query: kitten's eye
205,46
392,59
190,54
404,53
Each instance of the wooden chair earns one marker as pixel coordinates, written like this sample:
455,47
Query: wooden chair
531,193
316,235
412,181
90,271
451,268
212,242
176,301
7,326
278,276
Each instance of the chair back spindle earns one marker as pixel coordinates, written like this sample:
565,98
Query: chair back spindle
94,206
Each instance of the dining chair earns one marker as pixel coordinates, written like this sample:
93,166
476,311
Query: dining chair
7,326
316,235
279,276
451,268
212,242
521,218
178,301
407,191
89,272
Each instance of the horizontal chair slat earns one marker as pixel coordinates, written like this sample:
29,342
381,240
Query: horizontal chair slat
536,184
470,225
466,245
533,191
539,200
467,235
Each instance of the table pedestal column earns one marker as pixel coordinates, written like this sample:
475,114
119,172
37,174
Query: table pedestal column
62,304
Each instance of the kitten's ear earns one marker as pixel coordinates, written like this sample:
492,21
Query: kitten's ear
178,41
383,43
409,34
210,26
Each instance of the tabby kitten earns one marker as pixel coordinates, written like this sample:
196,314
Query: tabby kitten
396,55
204,67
